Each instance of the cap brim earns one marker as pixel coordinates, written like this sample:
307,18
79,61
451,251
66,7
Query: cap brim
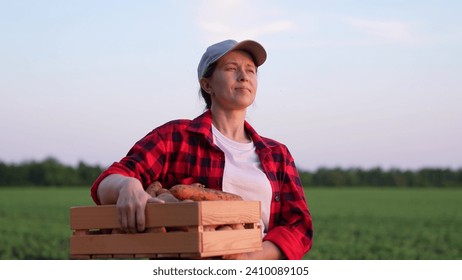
255,49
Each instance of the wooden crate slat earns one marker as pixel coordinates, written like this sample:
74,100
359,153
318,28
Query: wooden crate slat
123,256
233,212
145,256
105,256
229,252
140,243
105,216
93,217
81,257
237,241
170,215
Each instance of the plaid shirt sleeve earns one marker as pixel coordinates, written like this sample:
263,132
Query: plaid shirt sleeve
290,226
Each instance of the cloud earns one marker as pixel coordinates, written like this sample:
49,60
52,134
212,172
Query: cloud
386,31
240,19
224,29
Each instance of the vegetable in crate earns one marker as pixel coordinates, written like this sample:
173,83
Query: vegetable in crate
198,192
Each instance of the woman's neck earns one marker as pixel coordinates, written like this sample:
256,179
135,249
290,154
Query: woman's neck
231,124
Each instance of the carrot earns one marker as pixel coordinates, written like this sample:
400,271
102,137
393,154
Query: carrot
198,192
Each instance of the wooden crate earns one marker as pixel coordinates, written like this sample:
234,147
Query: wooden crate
95,233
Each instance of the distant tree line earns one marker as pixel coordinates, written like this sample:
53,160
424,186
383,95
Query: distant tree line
378,177
51,172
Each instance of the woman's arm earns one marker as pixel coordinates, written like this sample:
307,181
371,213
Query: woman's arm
270,252
292,231
110,187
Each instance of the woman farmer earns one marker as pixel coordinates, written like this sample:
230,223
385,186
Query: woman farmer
220,150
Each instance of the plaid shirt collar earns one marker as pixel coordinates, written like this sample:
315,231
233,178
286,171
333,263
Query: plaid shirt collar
203,125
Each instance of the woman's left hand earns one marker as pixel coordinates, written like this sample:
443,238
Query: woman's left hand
269,252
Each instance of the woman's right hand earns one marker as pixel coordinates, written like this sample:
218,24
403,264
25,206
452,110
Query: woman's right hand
131,199
131,206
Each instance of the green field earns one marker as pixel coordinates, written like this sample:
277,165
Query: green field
350,223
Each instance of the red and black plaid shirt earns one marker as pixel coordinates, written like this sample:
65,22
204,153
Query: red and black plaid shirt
182,152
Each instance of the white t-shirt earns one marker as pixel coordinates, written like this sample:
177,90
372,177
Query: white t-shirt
243,174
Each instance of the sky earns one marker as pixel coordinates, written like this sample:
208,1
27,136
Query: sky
346,84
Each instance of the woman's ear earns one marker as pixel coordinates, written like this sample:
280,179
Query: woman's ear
206,86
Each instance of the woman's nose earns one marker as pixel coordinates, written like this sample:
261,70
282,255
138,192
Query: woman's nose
242,76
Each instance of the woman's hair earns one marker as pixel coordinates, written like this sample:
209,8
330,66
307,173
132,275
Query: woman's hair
208,73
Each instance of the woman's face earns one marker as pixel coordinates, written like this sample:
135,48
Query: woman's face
233,84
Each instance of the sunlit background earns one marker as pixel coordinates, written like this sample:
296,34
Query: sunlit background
346,83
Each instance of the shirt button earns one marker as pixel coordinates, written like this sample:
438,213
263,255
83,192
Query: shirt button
276,198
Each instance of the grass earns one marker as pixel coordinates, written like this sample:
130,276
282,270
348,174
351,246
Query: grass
350,223
34,222
392,224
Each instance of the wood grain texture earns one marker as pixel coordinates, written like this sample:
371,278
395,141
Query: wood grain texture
229,212
157,215
139,243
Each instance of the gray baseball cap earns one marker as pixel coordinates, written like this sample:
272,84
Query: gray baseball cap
216,51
